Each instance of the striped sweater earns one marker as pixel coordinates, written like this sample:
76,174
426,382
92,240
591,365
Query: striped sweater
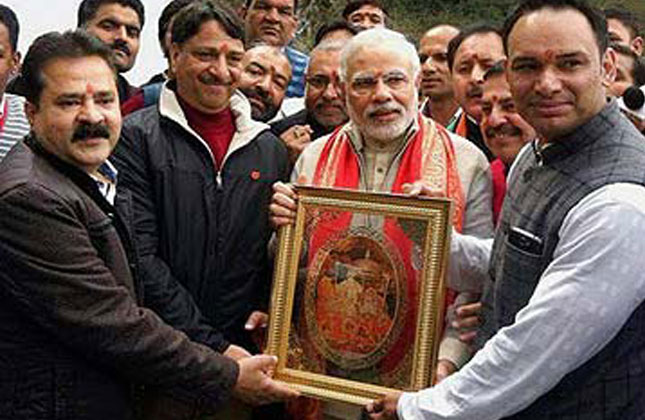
16,125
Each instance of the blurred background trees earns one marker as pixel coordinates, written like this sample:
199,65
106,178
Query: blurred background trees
414,17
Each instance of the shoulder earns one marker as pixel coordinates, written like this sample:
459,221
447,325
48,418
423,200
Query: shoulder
14,100
471,162
16,106
466,151
280,126
308,160
26,175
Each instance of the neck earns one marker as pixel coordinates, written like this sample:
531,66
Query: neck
383,146
442,109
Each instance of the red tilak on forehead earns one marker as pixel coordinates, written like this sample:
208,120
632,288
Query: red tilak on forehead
549,55
89,89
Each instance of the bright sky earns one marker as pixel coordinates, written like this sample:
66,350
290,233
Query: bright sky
39,16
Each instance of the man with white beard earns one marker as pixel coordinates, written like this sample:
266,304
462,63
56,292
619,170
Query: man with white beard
389,146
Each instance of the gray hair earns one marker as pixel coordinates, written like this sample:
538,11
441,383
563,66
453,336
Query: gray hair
331,45
379,38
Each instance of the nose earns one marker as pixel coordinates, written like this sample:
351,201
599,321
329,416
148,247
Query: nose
382,91
90,112
331,91
272,14
497,117
548,82
428,66
478,74
121,32
264,83
219,68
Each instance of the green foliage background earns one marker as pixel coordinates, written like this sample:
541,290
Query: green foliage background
414,17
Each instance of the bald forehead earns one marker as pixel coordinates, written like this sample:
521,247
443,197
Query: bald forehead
441,33
269,51
496,81
268,56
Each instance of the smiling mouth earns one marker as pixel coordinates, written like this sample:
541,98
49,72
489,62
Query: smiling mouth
385,116
270,31
257,103
552,109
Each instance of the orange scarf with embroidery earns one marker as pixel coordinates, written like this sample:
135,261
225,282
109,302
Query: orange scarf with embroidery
428,157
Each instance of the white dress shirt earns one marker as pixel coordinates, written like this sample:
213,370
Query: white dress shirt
590,289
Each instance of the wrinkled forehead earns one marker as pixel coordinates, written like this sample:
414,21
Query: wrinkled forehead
438,37
324,61
480,45
268,58
379,59
368,10
619,30
496,88
211,34
119,13
547,34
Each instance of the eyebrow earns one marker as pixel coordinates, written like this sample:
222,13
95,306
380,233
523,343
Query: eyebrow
118,22
571,55
257,64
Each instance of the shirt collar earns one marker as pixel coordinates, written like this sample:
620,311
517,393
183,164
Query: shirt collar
107,184
584,135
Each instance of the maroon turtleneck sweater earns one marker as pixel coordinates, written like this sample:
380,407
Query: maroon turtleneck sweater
216,129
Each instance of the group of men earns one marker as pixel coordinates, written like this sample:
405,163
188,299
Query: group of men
135,224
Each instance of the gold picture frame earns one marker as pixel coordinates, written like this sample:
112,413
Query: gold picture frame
349,320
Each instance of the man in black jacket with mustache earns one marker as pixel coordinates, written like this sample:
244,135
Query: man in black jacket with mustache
117,23
76,326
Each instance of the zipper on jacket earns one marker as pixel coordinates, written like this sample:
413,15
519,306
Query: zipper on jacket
218,180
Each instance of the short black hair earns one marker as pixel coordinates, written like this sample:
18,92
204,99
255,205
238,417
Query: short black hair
88,8
295,4
626,17
190,19
595,18
167,14
333,26
465,33
354,5
52,46
9,19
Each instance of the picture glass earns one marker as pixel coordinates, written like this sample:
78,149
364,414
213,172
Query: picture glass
355,304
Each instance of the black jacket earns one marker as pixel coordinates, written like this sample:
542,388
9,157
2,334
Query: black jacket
300,118
198,229
73,338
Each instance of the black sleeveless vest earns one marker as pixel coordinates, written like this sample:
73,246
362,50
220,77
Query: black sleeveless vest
544,187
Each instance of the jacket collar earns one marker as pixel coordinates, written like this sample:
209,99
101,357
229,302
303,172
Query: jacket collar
246,129
583,136
81,178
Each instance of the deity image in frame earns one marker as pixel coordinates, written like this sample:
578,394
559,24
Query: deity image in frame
357,301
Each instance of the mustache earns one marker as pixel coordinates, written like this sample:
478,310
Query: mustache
212,80
258,93
373,110
336,103
475,91
121,46
505,130
90,131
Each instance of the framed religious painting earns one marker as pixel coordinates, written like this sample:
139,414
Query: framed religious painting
357,300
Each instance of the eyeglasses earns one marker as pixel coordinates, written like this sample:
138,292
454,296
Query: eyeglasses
320,81
395,80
